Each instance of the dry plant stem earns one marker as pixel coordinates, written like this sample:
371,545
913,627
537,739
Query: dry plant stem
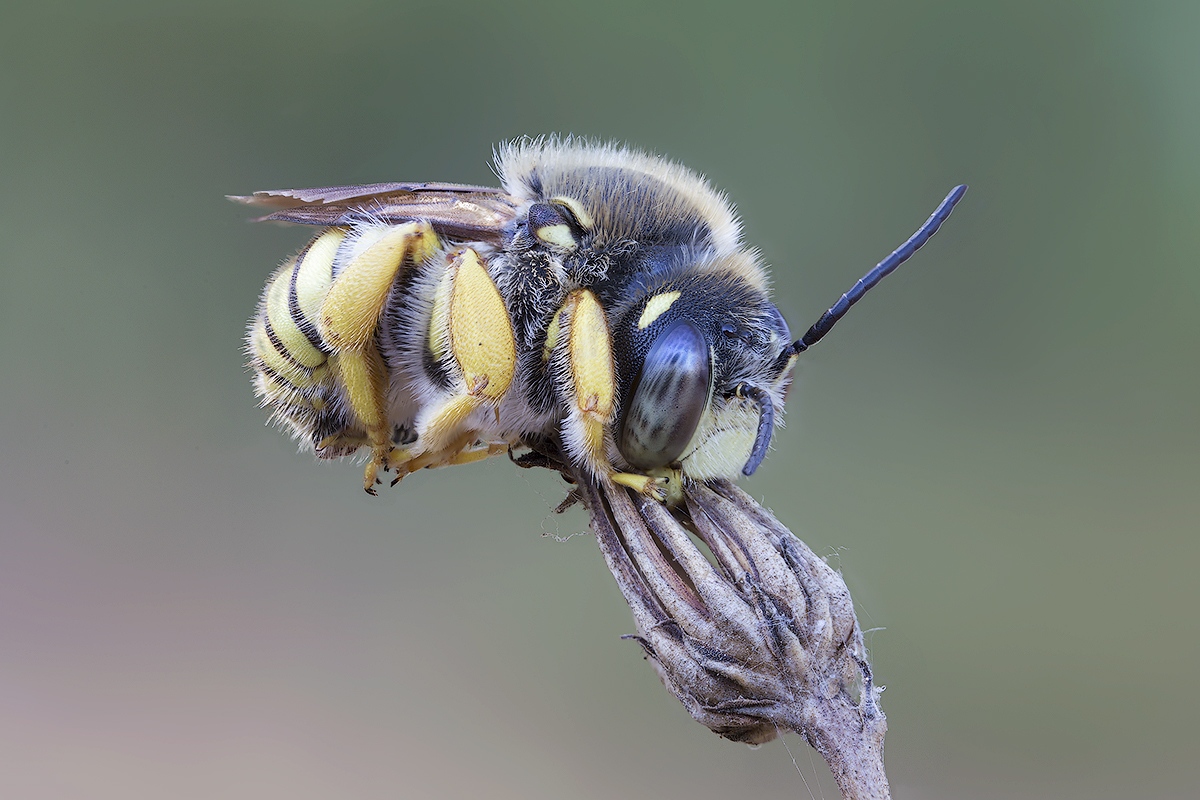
765,640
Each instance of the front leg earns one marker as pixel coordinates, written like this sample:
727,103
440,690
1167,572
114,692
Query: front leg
591,391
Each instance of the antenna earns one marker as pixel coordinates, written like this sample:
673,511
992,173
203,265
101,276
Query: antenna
881,271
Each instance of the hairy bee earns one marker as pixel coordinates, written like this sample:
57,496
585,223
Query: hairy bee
602,301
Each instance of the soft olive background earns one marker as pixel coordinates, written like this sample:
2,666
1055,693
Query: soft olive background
998,447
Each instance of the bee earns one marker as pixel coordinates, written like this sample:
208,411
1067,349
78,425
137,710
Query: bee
601,302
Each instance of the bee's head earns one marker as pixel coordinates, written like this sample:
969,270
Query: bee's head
704,360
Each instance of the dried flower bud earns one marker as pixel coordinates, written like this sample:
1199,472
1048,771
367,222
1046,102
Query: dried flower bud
764,640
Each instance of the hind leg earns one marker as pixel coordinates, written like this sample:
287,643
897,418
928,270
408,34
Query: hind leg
349,317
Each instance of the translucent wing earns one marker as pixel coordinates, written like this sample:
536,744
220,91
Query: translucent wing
455,210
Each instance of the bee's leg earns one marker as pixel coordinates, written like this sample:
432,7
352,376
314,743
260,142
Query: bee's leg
470,333
472,451
466,449
593,391
348,320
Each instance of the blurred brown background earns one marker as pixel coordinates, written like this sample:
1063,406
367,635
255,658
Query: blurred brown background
999,446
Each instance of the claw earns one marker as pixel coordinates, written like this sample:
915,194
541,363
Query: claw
657,490
652,487
371,473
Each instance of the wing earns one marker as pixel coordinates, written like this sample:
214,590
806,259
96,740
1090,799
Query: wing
455,210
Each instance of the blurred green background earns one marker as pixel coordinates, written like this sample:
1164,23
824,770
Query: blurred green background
998,447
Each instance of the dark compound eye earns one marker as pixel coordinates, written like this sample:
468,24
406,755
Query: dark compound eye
669,395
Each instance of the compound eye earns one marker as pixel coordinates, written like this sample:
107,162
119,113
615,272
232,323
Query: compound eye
668,398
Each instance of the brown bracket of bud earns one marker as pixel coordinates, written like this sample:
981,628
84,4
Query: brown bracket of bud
764,640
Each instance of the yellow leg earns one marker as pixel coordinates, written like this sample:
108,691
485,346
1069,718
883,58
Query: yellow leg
592,371
364,377
651,487
469,317
351,309
443,427
473,454
590,354
481,334
461,451
349,317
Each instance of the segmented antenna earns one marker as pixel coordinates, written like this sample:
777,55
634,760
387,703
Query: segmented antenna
885,268
766,425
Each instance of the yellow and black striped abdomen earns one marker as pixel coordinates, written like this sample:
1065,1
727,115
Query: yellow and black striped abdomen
287,353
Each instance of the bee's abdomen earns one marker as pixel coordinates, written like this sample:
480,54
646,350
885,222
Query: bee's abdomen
287,353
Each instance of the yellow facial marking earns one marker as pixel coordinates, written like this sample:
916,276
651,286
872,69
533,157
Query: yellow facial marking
655,307
722,442
480,333
557,235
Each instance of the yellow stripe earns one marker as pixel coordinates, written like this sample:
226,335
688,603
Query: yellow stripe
294,342
316,274
264,349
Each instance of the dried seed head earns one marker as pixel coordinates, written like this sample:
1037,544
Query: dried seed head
766,639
